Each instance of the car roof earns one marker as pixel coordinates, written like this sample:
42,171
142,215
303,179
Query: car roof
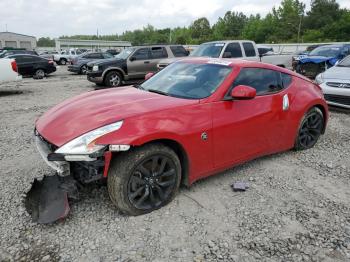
227,41
15,55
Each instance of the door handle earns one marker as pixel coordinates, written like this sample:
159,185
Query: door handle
146,62
285,104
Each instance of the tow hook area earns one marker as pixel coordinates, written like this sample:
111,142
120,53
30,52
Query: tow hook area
47,200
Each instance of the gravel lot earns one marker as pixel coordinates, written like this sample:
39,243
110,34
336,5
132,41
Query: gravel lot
296,209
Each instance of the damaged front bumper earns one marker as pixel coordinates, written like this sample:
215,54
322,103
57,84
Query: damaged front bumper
47,200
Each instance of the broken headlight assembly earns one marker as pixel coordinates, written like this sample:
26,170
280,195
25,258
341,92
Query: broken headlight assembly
86,143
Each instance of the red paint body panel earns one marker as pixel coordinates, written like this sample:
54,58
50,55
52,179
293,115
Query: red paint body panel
237,130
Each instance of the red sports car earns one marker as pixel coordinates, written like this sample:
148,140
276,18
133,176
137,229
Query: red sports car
191,120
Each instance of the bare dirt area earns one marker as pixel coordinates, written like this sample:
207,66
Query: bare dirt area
297,207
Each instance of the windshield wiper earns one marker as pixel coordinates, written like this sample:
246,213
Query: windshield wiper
138,86
158,92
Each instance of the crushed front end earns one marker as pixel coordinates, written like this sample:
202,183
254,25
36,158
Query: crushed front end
47,200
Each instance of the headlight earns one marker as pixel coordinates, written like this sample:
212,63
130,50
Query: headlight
95,68
85,144
319,79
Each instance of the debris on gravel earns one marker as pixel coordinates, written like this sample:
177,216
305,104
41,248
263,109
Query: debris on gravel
297,207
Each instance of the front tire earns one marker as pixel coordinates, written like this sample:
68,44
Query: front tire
144,179
83,70
310,129
113,79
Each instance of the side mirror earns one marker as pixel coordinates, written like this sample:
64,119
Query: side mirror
132,58
227,55
149,75
243,92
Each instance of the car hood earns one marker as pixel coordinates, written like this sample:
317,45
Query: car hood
337,72
94,109
109,61
318,59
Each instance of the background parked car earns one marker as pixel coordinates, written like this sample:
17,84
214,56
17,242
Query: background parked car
132,64
79,64
321,58
30,65
243,49
66,56
13,52
48,54
113,52
335,83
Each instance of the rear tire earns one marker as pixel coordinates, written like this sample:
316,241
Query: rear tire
63,61
113,79
39,74
144,179
310,129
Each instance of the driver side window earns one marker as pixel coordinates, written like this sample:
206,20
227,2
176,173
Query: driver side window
141,54
264,81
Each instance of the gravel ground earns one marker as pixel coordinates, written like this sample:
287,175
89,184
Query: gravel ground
296,209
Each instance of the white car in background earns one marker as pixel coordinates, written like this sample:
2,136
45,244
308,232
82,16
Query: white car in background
8,71
335,84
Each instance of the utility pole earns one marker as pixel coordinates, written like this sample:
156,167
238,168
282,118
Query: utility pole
299,28
6,27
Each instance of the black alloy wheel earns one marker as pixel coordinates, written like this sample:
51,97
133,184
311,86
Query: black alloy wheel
144,179
152,182
310,129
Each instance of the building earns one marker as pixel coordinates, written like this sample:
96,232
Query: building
9,39
90,44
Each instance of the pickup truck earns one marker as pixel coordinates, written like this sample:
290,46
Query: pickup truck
8,69
66,56
243,49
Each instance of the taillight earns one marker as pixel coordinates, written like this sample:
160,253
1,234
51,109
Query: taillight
14,66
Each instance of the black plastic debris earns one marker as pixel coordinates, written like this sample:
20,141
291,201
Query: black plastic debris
240,186
47,200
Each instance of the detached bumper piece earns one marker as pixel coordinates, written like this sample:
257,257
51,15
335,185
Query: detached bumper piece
47,200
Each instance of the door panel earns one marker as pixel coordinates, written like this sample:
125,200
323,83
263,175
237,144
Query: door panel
245,129
138,68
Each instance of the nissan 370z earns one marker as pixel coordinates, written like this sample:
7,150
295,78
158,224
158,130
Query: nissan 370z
193,119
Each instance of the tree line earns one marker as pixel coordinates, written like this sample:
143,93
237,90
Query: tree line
287,23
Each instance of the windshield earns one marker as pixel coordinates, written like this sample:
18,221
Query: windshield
208,50
125,53
326,51
108,55
185,80
345,62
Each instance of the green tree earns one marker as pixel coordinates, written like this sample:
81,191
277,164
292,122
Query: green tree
288,19
230,26
45,42
322,13
200,30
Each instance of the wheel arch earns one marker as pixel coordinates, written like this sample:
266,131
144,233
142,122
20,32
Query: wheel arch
180,152
113,69
325,115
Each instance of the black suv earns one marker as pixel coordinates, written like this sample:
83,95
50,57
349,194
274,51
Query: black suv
132,64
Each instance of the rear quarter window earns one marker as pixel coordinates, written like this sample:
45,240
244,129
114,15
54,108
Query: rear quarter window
178,51
286,80
249,49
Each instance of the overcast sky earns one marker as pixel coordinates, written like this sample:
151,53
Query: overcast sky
67,17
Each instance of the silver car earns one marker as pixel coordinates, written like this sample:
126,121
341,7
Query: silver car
335,83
